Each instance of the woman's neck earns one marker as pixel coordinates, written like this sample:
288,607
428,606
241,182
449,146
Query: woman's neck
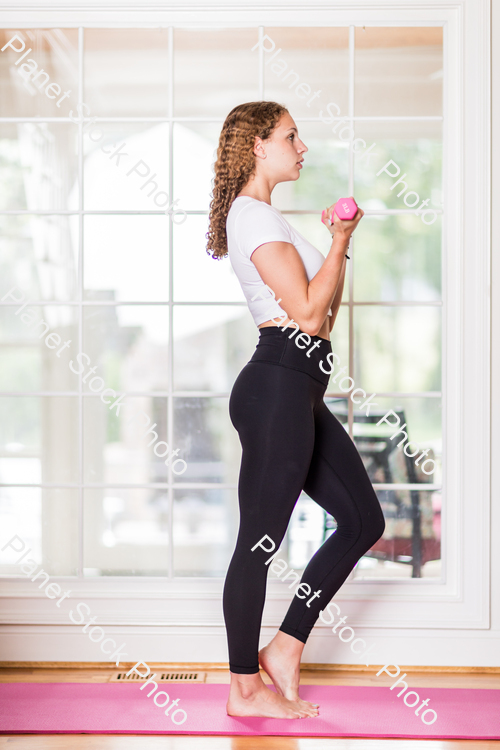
249,194
259,189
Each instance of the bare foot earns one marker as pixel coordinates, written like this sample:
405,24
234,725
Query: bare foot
281,660
249,696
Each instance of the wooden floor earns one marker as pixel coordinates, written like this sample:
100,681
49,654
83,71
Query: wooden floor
216,674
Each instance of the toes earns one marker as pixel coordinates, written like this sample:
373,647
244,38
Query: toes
308,704
306,713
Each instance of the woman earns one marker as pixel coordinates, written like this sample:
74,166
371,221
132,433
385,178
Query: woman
291,441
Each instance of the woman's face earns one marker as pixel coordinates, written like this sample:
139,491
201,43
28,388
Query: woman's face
283,152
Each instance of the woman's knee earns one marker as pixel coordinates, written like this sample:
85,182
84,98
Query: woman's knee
367,523
374,527
380,525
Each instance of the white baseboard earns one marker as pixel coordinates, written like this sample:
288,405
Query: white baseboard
208,644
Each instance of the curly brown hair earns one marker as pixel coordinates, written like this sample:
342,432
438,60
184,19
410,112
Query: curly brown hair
236,163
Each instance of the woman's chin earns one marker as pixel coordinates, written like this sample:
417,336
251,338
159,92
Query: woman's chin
291,177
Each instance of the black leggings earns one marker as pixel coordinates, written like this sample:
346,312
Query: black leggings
291,442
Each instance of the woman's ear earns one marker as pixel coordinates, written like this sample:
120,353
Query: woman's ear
259,149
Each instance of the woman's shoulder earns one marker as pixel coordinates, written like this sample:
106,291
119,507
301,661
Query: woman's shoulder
250,209
255,219
254,223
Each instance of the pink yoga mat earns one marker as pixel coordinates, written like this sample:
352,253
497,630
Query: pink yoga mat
52,708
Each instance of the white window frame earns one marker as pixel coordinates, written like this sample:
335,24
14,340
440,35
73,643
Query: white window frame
190,607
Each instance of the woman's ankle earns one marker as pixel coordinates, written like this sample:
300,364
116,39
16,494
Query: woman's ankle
287,644
246,685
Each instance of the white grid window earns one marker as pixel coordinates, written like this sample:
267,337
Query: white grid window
87,243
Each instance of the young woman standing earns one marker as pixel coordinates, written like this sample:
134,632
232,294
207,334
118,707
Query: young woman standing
291,441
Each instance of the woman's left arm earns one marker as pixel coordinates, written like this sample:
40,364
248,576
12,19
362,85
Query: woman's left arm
337,299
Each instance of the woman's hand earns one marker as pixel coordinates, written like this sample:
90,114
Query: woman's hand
341,227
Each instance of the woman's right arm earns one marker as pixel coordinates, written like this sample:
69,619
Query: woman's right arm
337,299
281,268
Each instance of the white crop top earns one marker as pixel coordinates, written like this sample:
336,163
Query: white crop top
249,224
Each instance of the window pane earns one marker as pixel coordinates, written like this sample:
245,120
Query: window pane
126,532
39,165
194,153
26,91
398,349
306,61
215,70
39,255
126,72
208,441
126,167
126,258
21,369
126,449
198,277
386,460
416,152
38,344
46,521
397,258
318,185
399,71
205,529
211,345
129,344
38,439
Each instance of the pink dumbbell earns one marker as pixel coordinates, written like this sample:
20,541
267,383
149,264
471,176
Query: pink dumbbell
345,208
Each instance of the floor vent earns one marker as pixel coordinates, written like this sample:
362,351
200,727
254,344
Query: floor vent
160,677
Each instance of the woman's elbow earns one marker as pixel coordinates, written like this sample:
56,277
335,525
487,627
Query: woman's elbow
312,327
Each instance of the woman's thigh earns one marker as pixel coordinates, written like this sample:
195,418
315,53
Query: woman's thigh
338,481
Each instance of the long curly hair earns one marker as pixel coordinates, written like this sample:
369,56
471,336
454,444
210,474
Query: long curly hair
236,163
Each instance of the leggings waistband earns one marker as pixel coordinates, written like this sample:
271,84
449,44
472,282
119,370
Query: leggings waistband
294,349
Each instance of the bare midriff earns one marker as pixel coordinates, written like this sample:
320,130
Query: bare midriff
322,333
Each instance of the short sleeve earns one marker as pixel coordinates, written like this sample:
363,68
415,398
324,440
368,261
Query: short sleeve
258,223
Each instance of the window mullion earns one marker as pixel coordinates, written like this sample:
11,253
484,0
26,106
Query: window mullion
170,402
81,39
350,267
